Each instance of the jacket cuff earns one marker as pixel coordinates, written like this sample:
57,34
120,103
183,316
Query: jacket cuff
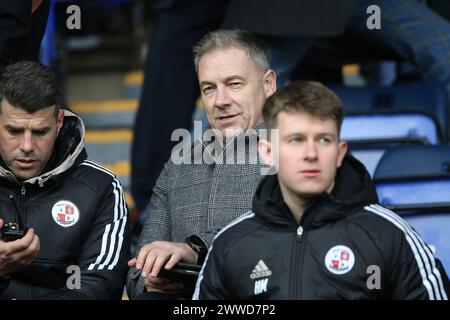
198,246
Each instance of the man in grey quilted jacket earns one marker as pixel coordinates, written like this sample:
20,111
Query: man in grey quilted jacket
210,182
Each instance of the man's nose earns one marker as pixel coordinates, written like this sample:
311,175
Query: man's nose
223,98
27,144
311,151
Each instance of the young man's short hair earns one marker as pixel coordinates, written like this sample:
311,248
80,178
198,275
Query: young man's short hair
30,86
304,96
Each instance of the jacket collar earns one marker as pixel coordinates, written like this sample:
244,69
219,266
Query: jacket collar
240,145
68,150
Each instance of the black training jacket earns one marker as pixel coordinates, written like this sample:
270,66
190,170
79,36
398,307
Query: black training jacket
78,211
346,246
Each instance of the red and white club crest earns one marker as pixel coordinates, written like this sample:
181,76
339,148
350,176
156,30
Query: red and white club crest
339,259
65,213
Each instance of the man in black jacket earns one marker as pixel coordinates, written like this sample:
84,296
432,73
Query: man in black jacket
316,230
77,242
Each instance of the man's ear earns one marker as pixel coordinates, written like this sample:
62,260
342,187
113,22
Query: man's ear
60,120
265,151
270,82
342,150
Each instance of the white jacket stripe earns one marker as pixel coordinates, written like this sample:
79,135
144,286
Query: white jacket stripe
436,275
112,241
245,216
112,238
122,229
431,277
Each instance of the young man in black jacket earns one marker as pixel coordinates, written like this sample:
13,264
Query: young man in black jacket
78,241
316,230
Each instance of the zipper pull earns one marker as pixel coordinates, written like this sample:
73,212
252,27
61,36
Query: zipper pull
23,190
299,233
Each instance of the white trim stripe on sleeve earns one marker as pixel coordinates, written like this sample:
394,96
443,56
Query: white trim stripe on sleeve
115,228
112,238
122,230
431,277
245,216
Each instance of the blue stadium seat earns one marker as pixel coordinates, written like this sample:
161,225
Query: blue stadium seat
414,162
393,126
371,133
414,181
421,191
432,224
434,228
424,95
417,175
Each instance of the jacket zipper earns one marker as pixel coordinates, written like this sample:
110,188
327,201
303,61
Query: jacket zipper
297,256
300,240
22,203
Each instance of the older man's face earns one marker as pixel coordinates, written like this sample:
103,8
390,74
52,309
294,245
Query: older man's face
233,89
27,140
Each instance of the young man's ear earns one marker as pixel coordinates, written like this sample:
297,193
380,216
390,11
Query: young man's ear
60,120
265,151
270,82
342,150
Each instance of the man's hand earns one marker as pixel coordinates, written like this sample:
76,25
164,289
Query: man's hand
14,255
162,254
159,284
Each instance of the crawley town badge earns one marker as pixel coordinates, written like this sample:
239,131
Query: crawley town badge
339,259
65,213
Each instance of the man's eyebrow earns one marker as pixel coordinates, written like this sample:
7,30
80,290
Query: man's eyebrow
12,127
203,83
331,134
291,135
233,77
227,79
46,128
319,134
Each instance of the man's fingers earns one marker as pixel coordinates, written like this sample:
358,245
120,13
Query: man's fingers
19,245
35,246
24,242
142,256
132,263
163,284
156,280
25,261
171,287
147,267
28,240
153,257
159,263
174,259
27,255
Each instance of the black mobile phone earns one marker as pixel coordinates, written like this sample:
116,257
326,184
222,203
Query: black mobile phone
186,273
12,231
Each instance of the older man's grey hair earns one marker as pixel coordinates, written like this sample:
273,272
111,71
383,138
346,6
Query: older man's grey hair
222,39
